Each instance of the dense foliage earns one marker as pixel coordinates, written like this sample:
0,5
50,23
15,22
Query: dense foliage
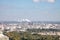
29,36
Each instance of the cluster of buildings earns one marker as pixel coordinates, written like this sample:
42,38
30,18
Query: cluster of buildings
23,26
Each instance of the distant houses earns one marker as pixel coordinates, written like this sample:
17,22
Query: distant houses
40,28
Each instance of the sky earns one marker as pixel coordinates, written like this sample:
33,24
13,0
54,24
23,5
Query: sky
34,10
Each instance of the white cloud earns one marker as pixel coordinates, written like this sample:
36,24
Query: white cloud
51,1
36,0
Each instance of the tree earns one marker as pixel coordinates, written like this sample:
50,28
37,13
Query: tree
13,35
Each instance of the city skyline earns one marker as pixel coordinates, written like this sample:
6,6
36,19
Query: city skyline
34,10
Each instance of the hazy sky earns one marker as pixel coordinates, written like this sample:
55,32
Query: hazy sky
35,10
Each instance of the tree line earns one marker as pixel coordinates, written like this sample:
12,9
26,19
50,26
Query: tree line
28,36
